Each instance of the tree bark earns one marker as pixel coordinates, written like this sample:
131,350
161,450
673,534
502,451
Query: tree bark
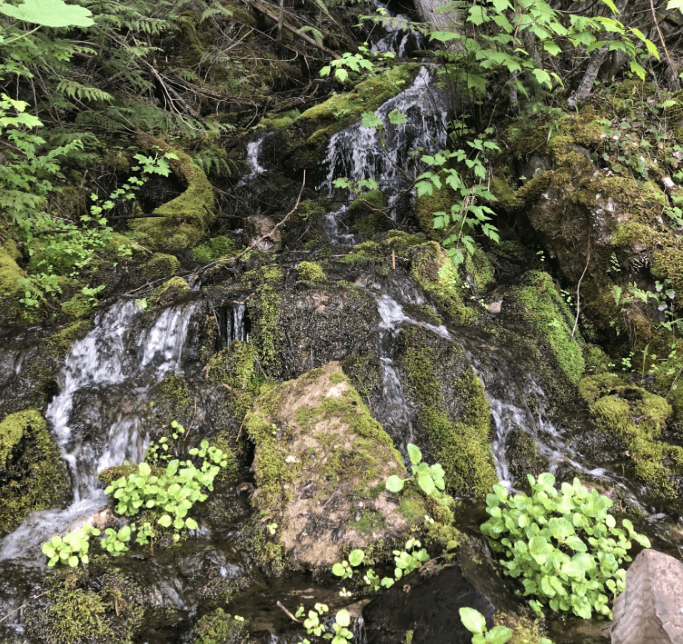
441,21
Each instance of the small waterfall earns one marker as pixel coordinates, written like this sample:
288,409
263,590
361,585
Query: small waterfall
95,417
253,155
396,39
235,327
358,153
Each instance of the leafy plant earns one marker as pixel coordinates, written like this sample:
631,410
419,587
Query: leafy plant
563,544
429,478
475,622
344,569
71,548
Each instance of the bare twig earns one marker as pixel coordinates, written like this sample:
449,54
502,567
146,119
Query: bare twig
578,289
22,606
279,605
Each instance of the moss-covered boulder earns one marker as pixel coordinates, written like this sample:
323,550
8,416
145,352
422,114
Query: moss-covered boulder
321,463
436,273
32,474
634,421
183,221
453,414
549,314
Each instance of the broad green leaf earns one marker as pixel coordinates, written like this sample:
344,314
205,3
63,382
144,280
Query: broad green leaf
338,570
49,13
343,618
145,470
472,620
356,557
165,521
414,454
370,119
426,482
394,483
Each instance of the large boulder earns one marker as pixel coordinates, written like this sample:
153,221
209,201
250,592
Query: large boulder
321,464
649,609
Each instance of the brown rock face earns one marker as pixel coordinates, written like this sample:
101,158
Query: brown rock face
649,610
262,230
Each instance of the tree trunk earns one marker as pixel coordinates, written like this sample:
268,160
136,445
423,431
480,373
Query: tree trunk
441,21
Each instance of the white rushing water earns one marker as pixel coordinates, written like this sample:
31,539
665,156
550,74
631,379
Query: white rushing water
358,152
254,149
109,363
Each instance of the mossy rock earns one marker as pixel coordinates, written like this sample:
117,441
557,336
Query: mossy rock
168,293
159,265
184,220
32,474
636,419
60,343
310,272
212,249
219,627
436,273
550,316
454,416
321,460
440,200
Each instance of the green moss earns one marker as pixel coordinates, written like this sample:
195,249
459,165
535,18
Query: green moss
370,522
32,475
632,233
167,293
160,265
184,220
524,630
434,270
551,317
462,447
596,360
214,248
219,627
277,122
79,306
76,616
426,205
636,418
61,342
479,269
310,272
10,272
264,311
668,263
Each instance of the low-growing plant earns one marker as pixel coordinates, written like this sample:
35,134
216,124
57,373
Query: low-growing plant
563,544
475,622
71,548
428,477
314,626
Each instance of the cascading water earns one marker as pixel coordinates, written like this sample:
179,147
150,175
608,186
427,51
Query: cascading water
359,153
396,37
106,375
235,327
253,156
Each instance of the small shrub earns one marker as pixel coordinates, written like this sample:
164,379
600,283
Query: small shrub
563,544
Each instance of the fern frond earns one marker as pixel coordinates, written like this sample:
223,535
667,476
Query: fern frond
74,89
215,9
318,37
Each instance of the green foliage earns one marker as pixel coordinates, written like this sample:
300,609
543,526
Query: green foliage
70,549
562,544
465,173
474,622
175,491
314,626
430,478
48,13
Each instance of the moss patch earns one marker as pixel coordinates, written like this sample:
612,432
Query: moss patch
318,454
183,220
462,446
310,272
219,627
213,249
636,419
436,273
264,310
60,343
32,475
168,292
551,317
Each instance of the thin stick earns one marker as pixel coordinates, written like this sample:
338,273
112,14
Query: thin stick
24,604
578,289
279,605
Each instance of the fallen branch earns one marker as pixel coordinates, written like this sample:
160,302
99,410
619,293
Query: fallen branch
279,605
289,27
23,605
578,289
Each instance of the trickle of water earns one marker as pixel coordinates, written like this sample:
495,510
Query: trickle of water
396,37
330,225
392,315
235,328
253,154
358,153
102,360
